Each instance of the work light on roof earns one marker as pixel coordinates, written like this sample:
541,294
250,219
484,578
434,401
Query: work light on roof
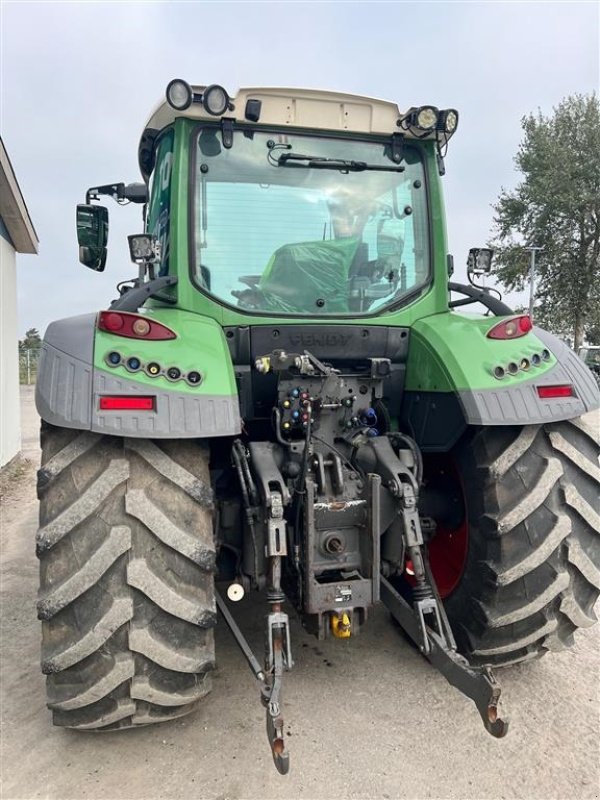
215,100
422,120
426,118
448,121
179,94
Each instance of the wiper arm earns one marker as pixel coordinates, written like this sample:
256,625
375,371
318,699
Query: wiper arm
316,162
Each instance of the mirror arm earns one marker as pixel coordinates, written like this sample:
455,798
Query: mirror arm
132,299
113,190
120,192
466,301
474,295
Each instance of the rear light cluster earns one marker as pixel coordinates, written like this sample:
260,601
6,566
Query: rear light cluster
514,367
152,368
133,326
511,328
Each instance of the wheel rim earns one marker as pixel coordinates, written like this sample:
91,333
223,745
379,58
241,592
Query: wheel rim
448,548
447,557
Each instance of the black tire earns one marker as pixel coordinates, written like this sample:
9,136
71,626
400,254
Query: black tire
532,572
126,578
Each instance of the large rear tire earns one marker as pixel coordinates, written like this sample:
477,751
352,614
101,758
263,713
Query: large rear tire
532,570
126,578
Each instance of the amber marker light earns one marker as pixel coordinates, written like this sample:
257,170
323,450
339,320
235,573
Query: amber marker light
141,327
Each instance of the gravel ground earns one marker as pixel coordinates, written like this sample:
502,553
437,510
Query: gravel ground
365,718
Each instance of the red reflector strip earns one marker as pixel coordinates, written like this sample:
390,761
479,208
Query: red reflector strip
126,403
545,392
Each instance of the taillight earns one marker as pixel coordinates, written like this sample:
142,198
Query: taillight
126,403
510,328
133,326
562,390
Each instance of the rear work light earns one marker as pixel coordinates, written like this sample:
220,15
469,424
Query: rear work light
563,390
133,326
510,328
126,403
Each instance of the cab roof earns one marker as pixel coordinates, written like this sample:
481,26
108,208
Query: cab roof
313,109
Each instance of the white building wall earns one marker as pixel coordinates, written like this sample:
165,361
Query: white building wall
10,416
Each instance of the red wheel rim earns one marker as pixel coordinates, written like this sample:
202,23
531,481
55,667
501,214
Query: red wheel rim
449,546
447,557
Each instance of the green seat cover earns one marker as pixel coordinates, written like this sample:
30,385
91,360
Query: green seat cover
298,275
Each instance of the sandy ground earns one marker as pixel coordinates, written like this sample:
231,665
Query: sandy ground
366,718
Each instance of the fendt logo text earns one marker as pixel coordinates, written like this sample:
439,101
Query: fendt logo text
320,339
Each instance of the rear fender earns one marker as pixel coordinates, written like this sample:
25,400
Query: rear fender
75,372
451,383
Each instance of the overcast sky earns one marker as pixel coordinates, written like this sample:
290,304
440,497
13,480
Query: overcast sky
80,79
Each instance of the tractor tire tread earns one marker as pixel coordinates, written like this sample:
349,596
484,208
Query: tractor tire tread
127,563
534,576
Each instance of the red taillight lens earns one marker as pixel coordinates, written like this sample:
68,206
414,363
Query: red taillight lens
112,322
133,326
564,390
510,328
126,403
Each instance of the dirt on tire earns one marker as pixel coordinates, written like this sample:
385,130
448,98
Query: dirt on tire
532,573
127,563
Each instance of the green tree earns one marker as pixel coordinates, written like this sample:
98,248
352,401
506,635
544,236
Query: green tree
556,206
32,340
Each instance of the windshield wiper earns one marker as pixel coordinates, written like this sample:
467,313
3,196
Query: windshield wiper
341,164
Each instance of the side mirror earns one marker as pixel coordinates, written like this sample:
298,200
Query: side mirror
479,261
92,235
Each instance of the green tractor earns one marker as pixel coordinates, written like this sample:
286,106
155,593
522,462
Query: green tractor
287,399
590,355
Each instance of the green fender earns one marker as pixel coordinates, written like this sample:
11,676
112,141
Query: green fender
76,371
451,378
